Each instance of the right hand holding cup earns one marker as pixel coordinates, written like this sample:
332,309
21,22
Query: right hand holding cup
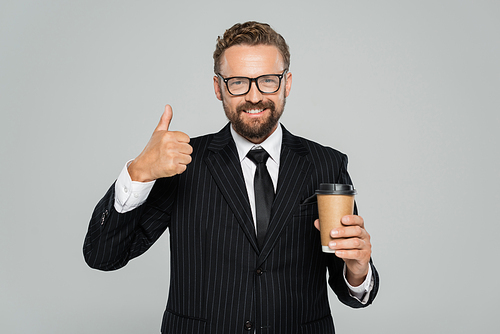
351,243
342,232
167,153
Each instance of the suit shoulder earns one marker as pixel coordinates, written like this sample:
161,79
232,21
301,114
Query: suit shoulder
329,164
317,149
201,143
202,139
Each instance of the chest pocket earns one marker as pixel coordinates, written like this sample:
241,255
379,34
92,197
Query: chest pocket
309,207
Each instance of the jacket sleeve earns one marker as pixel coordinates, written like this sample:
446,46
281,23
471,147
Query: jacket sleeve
115,238
338,285
336,265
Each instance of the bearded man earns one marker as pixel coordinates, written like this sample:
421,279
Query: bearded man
245,248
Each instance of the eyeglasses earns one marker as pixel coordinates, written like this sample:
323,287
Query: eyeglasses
266,84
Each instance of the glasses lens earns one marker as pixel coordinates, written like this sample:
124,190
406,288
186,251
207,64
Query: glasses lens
266,84
269,83
238,86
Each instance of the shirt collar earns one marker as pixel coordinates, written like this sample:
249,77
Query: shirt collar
272,144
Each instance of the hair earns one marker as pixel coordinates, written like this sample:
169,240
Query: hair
250,33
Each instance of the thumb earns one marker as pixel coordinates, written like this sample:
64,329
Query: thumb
165,119
316,224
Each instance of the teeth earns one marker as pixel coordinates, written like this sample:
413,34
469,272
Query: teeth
254,111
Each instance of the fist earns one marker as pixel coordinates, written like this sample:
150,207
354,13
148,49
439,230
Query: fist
167,153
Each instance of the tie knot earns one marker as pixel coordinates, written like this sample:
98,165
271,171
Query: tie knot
258,155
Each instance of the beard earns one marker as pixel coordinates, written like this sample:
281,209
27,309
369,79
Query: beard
258,128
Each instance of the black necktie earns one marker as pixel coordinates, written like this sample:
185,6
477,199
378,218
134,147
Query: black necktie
264,192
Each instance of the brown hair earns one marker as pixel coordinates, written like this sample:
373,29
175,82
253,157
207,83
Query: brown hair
250,33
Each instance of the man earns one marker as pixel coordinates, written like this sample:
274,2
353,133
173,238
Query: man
233,271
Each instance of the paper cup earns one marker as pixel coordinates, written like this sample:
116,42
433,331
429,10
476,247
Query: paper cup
334,202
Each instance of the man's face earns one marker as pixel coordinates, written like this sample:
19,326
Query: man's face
254,115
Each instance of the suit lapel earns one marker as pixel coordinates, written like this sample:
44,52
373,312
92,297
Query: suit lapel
225,167
293,173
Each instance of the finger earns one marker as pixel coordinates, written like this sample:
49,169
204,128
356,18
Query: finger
165,119
175,147
351,254
349,232
184,159
185,148
181,137
316,224
182,162
351,220
176,164
348,244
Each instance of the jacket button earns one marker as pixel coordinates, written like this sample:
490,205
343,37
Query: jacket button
259,272
248,325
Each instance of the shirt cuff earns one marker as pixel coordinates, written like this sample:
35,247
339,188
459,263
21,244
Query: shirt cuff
361,292
130,194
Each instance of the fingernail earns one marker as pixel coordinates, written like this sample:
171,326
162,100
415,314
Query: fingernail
334,233
332,244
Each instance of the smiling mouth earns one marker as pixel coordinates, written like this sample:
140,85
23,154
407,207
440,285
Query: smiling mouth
254,111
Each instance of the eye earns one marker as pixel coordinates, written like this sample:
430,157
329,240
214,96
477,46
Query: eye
269,80
238,82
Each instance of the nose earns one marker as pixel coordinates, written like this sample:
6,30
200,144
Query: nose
253,95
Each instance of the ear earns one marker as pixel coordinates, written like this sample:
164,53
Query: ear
288,85
217,89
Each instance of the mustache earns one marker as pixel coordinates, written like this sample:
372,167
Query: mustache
260,105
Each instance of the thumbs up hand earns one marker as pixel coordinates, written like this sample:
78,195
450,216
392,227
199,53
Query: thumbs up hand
167,153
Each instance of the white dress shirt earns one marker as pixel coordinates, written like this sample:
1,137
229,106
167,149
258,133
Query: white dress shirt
131,194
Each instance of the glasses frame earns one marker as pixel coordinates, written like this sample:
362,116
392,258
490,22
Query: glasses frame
280,76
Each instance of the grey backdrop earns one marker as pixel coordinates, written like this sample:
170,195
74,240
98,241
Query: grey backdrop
408,89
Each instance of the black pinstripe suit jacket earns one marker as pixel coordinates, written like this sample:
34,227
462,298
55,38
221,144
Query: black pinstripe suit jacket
220,281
